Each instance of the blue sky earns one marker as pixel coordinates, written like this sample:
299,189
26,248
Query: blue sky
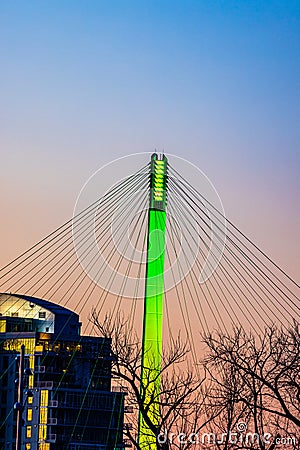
216,82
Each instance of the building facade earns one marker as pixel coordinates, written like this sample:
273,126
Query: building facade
69,403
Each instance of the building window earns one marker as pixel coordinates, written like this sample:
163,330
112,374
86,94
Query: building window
28,446
2,326
42,432
14,314
15,345
43,415
44,397
29,400
29,414
28,432
42,315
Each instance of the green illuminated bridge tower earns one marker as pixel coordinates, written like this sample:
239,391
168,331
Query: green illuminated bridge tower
153,304
223,279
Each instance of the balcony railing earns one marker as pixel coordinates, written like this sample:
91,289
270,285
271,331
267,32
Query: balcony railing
45,384
53,404
52,421
51,438
40,369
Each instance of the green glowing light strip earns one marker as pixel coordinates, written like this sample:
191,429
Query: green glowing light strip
153,304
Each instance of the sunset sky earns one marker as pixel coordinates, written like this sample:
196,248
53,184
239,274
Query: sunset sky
215,82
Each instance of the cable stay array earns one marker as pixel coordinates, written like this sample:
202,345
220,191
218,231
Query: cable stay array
216,277
214,273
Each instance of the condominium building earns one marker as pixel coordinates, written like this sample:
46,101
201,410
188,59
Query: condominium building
69,403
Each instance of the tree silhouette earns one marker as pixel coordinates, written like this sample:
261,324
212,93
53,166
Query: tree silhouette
256,381
181,398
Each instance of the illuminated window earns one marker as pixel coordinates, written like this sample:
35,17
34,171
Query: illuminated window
44,397
57,347
43,415
31,377
39,348
15,345
2,326
30,381
42,433
28,446
44,446
29,414
28,432
29,400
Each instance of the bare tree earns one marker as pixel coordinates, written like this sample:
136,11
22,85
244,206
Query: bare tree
255,382
181,398
247,396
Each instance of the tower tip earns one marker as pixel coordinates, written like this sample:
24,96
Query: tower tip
159,156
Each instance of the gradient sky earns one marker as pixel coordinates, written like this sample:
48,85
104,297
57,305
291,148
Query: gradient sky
216,82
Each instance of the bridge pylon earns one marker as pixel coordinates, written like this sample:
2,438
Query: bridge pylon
149,415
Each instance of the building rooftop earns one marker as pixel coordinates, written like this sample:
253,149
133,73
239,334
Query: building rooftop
45,316
52,307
